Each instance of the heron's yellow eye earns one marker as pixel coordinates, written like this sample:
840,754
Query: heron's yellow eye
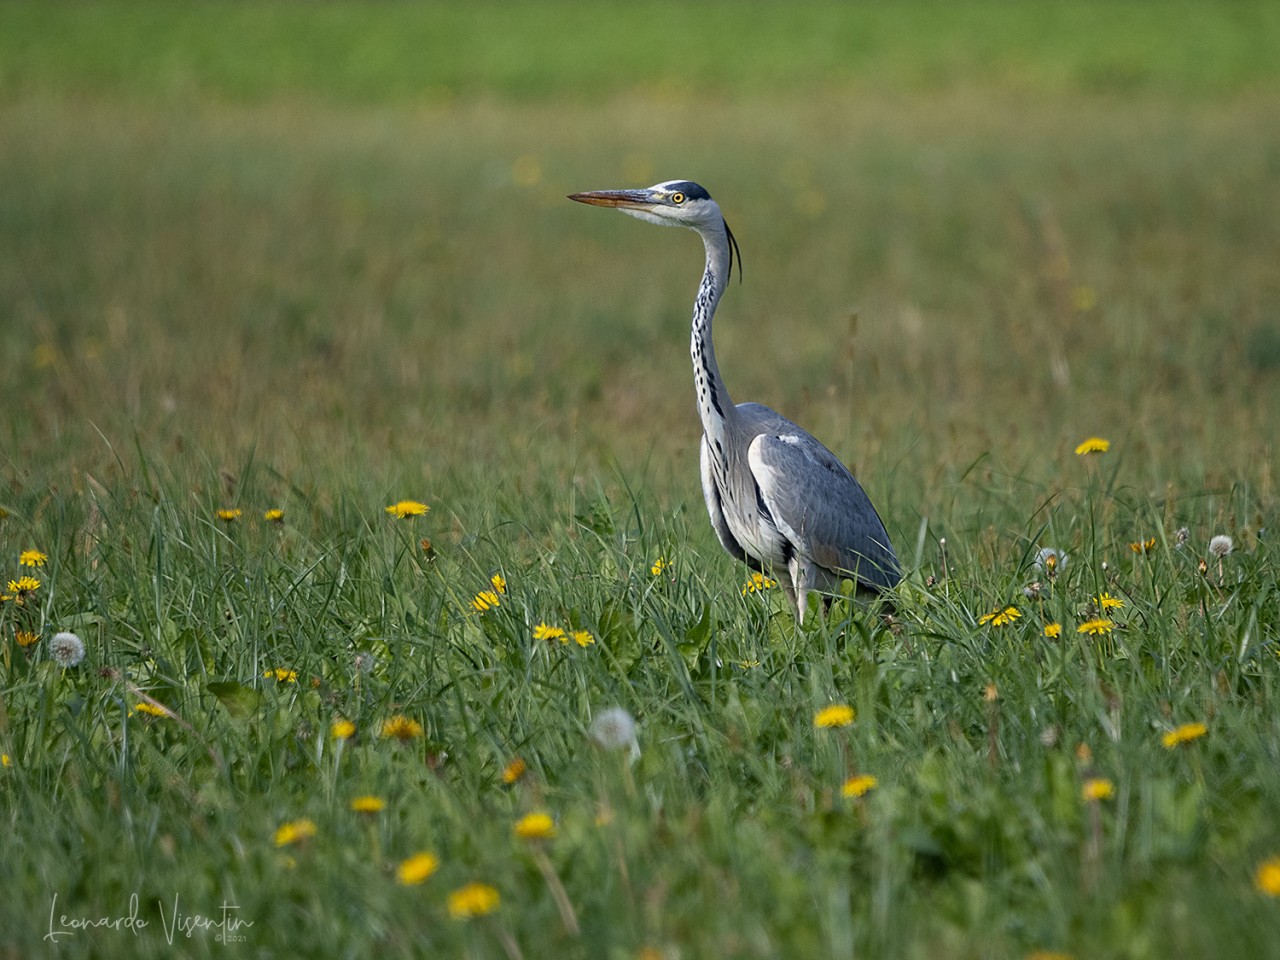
677,198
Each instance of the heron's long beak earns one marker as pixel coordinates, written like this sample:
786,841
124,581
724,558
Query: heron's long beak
624,199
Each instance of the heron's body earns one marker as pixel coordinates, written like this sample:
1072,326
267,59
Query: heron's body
778,499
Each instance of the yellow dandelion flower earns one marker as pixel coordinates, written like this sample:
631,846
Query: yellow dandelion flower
535,826
1097,788
659,565
1053,630
282,675
417,868
582,638
998,618
295,831
513,771
1093,445
859,786
150,709
401,727
342,729
273,516
758,582
1183,734
485,600
1096,627
1107,602
499,583
1084,298
24,585
1143,546
368,804
836,715
5,761
748,664
32,558
1266,879
407,508
547,632
473,900
230,515
25,638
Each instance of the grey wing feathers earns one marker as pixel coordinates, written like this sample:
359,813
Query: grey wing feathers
716,510
818,505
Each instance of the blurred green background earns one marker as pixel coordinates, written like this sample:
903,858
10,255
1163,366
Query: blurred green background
333,235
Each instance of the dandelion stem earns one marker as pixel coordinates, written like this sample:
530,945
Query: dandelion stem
558,893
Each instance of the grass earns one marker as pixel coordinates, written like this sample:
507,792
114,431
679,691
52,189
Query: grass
257,287
407,51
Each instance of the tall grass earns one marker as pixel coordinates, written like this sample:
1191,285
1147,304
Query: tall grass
246,292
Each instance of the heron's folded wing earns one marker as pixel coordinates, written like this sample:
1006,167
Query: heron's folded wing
818,505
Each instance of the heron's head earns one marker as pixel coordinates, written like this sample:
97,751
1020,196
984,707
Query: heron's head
676,203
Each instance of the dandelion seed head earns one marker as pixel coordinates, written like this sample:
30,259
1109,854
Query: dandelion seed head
363,661
615,729
1221,545
1181,537
66,649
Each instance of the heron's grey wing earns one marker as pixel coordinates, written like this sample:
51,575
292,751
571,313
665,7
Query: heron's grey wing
818,505
711,493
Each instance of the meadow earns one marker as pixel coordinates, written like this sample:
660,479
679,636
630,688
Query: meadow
269,270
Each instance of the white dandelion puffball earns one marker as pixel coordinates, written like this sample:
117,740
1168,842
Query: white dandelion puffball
615,729
66,649
1051,559
1221,545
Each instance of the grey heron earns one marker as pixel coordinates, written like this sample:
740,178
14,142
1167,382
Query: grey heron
779,500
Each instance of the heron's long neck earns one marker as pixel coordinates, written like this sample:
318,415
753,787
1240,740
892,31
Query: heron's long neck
714,405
